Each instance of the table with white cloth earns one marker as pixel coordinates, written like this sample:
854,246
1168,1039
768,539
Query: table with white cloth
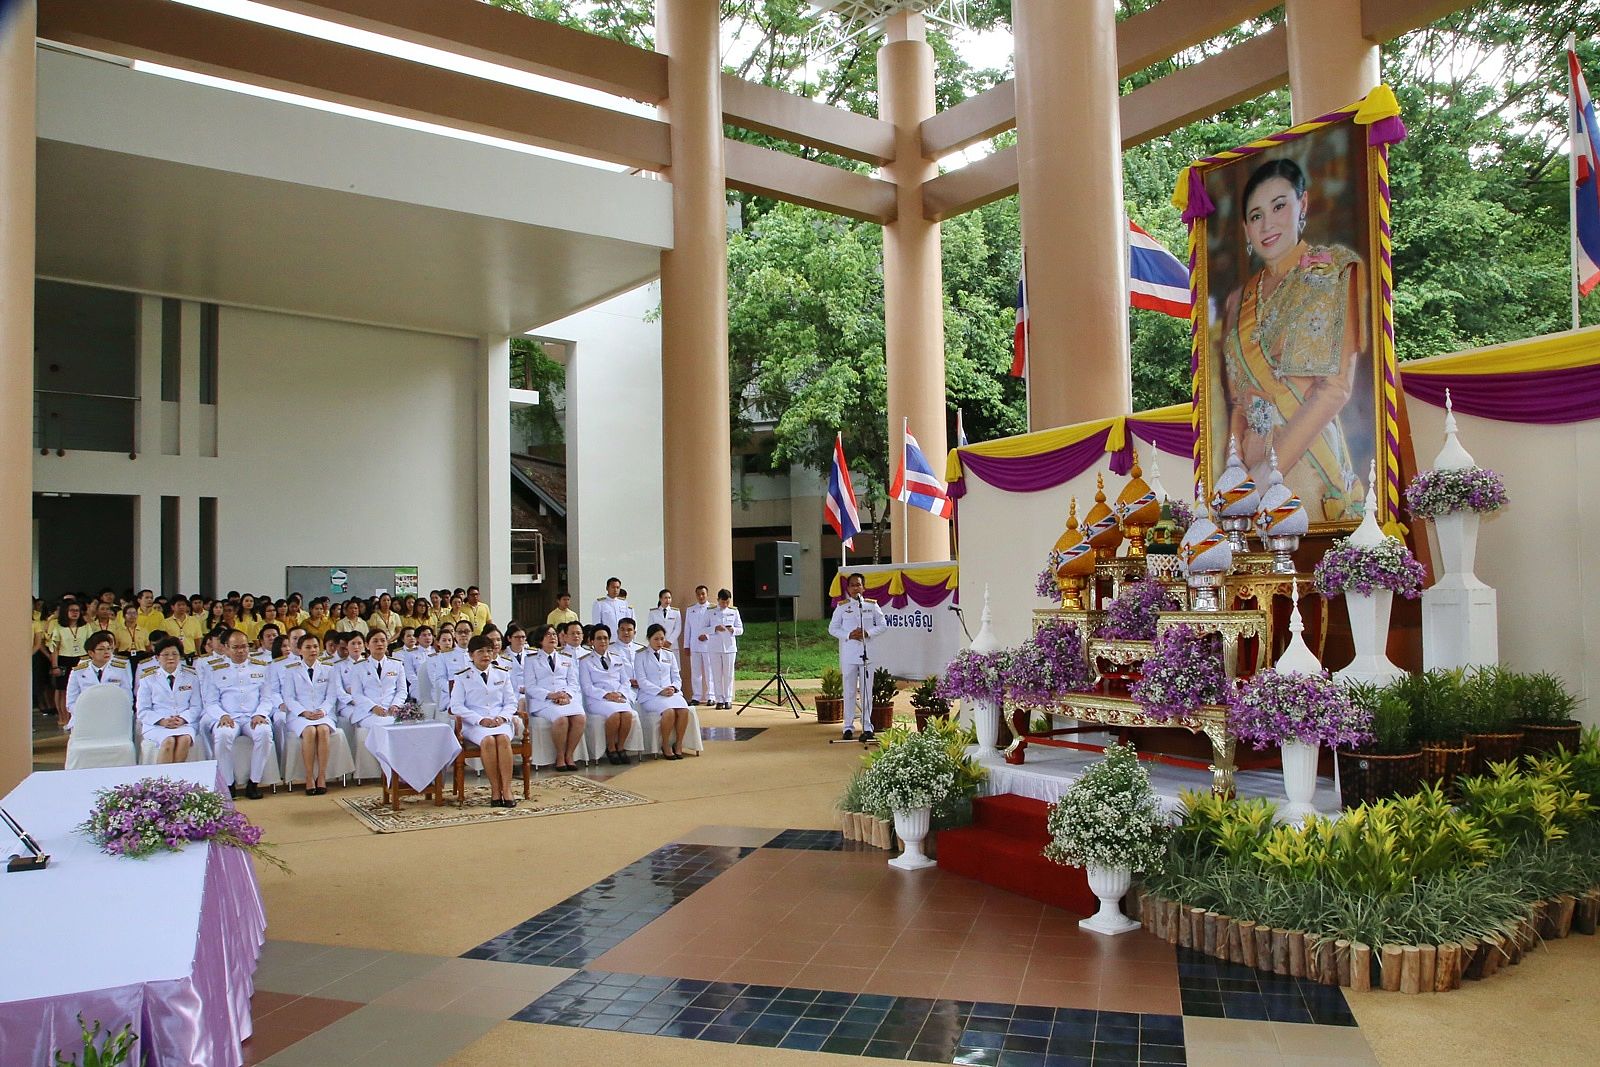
413,756
168,944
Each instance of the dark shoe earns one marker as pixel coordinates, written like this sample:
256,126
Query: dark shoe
849,735
253,791
692,704
677,755
311,790
867,737
565,767
612,758
233,792
725,707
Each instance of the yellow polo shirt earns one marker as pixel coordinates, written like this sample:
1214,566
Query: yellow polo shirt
191,630
151,620
477,615
317,628
557,617
136,640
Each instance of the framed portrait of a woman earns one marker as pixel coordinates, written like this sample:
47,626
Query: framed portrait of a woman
1292,357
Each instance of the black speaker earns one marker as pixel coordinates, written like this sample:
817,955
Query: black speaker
778,569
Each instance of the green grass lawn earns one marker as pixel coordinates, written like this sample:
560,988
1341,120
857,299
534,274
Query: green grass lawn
807,649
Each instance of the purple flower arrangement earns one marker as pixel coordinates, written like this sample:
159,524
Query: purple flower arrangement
1182,513
1184,673
1435,493
1132,615
1352,568
163,815
1047,665
1044,583
1270,708
975,676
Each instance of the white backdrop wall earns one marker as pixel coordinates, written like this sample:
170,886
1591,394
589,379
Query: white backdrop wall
1005,537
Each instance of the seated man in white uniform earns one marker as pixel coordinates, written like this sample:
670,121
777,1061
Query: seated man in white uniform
660,683
310,697
99,667
608,692
555,695
169,702
485,700
856,621
239,701
625,646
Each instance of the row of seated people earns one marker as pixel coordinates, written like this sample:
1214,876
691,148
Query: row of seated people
355,683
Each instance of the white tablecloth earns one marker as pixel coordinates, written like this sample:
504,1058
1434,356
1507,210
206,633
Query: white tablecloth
416,751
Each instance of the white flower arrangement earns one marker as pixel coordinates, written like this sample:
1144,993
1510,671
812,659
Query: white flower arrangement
916,773
1109,818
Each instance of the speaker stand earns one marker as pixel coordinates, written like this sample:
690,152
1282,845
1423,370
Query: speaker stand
785,696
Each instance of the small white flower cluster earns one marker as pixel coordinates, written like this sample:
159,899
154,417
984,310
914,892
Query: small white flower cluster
916,773
1109,818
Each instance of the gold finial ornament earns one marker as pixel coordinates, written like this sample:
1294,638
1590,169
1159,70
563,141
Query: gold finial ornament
1075,568
1100,526
1138,509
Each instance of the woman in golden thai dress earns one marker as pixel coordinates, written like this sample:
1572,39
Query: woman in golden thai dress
1292,335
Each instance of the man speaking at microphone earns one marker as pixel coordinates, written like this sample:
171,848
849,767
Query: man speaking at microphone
856,621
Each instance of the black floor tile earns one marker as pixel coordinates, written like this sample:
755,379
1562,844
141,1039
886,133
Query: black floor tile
1213,989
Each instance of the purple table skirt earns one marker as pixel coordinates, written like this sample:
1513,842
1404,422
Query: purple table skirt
197,1021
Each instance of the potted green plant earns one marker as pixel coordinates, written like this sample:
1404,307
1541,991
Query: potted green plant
1544,711
1438,719
927,703
830,703
908,778
1489,706
883,694
1109,823
1390,763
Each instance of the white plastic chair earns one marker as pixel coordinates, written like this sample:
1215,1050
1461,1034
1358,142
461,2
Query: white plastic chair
148,750
424,696
243,746
340,765
101,729
650,734
594,736
544,747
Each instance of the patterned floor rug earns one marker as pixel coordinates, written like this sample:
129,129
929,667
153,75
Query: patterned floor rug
551,796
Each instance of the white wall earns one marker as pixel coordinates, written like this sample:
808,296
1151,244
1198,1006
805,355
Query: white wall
290,389
614,426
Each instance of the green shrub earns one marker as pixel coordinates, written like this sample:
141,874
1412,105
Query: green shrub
832,684
1544,699
1436,702
883,687
926,699
1392,730
1489,698
1540,803
116,1050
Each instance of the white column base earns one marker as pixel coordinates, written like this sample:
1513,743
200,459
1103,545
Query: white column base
1460,624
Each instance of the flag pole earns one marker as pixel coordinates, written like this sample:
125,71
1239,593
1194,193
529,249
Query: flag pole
1572,174
905,503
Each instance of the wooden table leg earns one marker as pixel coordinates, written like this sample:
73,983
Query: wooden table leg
438,790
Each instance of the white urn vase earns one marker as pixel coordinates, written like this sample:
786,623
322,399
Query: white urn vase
912,829
986,722
1369,630
1110,884
1458,542
1299,780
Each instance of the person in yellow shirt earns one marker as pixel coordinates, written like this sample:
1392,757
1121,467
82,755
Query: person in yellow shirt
477,610
66,644
317,624
184,626
351,621
562,613
132,640
42,699
150,615
383,616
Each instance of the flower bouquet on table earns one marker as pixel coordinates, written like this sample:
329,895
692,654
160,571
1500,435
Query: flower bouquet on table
162,814
1132,615
1047,665
1184,673
1365,569
1450,492
1110,823
976,676
410,711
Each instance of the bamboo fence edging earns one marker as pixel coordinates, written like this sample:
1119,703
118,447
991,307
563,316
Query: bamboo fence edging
1364,968
859,826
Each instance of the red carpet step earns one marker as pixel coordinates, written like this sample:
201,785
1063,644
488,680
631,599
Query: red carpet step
1002,848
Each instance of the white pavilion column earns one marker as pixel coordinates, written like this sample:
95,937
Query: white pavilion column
18,87
494,477
1330,63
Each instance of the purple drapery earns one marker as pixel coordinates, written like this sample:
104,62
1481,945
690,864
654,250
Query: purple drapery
1541,397
923,596
1173,437
1027,474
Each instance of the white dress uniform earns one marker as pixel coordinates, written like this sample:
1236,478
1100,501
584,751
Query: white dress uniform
552,673
86,675
694,624
163,695
486,694
628,653
670,620
372,684
610,611
413,660
849,616
654,671
519,664
441,668
724,648
602,674
242,691
311,689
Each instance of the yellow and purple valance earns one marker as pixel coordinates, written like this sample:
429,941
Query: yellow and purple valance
926,587
1048,458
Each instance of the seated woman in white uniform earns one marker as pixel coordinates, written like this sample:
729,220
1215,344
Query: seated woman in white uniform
311,694
169,702
661,690
485,700
554,694
608,692
99,667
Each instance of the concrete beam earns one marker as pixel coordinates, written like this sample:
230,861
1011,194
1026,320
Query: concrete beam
809,122
1384,20
977,118
1168,28
994,177
767,172
495,35
227,47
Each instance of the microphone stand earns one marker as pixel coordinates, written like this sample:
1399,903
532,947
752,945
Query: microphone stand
863,669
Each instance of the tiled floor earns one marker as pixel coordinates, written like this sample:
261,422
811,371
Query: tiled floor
847,921
781,938
731,733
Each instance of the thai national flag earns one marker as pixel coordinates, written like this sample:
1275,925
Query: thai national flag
1157,281
840,504
1586,178
917,485
1019,338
